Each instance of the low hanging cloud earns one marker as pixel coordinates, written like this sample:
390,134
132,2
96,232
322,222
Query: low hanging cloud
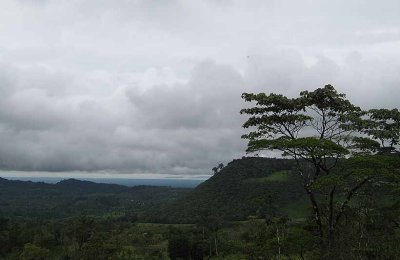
165,127
151,87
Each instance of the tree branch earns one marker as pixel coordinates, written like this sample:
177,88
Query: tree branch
348,198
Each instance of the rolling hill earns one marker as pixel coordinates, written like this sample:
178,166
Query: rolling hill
251,186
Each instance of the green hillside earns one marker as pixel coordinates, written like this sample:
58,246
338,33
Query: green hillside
250,186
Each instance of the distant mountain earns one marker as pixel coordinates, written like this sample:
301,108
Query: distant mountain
88,186
251,186
73,197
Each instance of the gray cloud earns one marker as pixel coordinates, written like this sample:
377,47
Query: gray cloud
154,87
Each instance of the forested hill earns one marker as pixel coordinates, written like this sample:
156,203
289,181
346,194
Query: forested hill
78,186
72,197
251,186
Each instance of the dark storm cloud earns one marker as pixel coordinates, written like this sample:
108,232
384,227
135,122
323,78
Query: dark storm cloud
154,87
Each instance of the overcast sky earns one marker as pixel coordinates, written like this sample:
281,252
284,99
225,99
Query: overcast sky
154,86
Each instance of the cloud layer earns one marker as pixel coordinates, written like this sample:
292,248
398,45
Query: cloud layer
154,87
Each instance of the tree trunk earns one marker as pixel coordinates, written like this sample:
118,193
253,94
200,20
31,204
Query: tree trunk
331,224
317,214
215,244
278,238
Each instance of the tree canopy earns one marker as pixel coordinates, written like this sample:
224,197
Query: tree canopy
333,142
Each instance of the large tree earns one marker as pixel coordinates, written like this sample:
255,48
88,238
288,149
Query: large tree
320,130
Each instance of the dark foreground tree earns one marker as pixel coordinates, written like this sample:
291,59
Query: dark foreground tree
320,130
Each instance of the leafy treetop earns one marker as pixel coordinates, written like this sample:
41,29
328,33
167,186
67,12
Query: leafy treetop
318,129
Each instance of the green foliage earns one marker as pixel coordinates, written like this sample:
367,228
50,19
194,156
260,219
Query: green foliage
71,198
370,234
279,176
280,123
306,147
245,187
369,230
327,181
384,125
321,130
33,252
378,167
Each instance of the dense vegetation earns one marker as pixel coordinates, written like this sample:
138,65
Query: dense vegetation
339,149
94,238
71,197
274,216
250,186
